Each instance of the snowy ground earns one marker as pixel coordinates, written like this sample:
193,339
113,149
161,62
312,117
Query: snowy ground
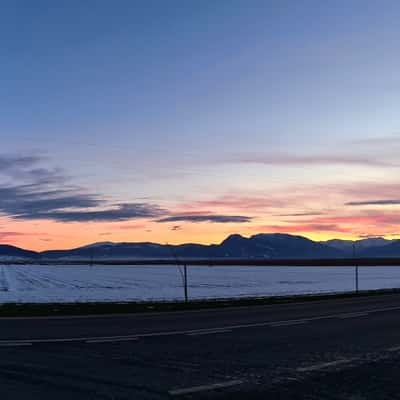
123,283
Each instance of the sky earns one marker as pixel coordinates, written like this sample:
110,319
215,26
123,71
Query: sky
187,121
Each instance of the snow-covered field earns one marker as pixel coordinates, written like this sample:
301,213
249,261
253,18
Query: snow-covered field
68,283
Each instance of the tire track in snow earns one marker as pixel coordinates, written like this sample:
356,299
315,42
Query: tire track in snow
4,284
40,277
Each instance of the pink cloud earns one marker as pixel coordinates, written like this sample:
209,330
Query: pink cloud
235,202
295,228
296,160
358,219
5,235
132,227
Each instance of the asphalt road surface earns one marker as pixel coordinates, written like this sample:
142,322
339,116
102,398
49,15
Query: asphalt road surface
328,349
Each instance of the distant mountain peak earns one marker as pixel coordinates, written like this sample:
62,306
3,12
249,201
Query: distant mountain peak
360,245
8,252
279,235
233,238
98,244
262,245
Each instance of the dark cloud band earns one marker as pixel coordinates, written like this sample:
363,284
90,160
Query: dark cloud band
120,212
222,219
45,194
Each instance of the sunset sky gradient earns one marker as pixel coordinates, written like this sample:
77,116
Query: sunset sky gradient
186,121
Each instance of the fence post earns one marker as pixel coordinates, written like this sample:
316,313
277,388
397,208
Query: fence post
185,282
356,267
91,257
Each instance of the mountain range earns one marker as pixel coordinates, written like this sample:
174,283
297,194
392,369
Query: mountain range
263,245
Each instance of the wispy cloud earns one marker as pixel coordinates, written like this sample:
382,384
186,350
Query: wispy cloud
16,163
131,227
221,219
235,202
346,224
296,228
358,220
304,214
368,190
384,202
379,141
46,194
6,235
296,160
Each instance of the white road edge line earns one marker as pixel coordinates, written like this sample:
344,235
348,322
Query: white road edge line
212,332
12,344
66,340
353,315
112,340
185,332
396,348
288,323
317,367
119,315
203,388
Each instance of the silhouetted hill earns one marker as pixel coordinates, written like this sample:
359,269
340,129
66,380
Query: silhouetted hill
389,250
359,246
12,252
290,246
235,246
133,250
263,245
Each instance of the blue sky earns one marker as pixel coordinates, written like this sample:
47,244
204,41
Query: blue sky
177,102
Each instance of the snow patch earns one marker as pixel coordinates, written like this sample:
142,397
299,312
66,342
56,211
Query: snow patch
84,283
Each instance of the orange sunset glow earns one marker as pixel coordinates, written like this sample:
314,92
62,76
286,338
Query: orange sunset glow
169,132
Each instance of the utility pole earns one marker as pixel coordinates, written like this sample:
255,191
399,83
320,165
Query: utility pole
185,281
91,256
356,266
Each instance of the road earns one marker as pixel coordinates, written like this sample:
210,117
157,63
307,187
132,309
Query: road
328,349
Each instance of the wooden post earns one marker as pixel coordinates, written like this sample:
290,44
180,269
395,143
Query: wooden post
356,267
185,282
